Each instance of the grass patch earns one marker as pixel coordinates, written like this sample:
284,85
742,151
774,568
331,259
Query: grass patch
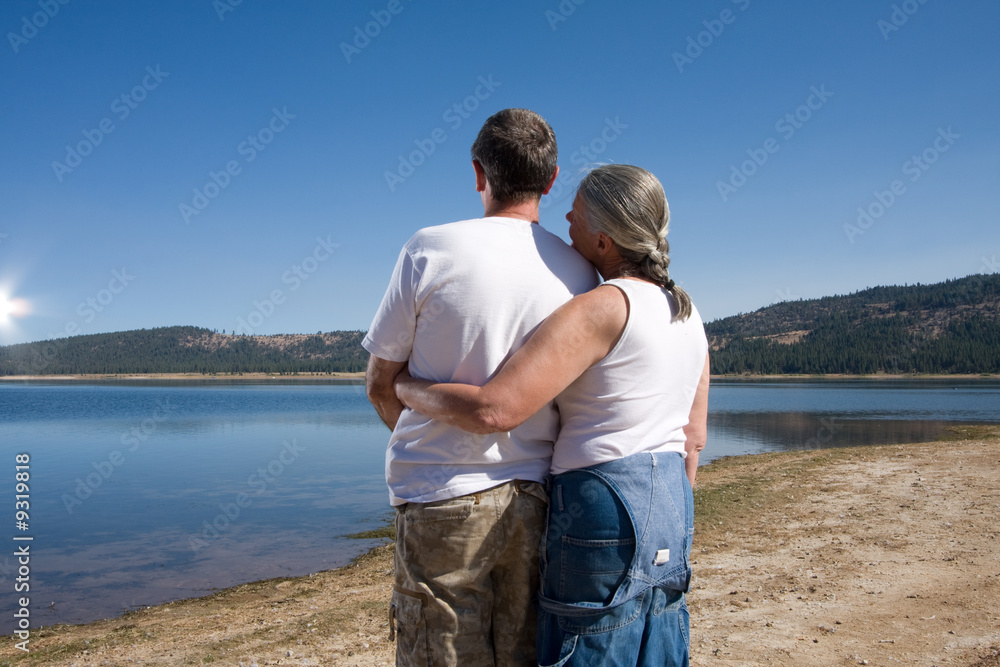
387,531
737,490
969,432
382,551
49,653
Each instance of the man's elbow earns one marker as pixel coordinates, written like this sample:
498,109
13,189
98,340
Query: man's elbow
379,393
372,376
373,393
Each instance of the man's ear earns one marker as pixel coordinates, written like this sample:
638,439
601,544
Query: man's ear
480,176
555,175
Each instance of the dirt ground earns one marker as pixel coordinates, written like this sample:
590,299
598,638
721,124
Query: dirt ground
878,555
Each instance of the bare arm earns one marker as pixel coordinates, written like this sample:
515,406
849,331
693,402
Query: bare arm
378,384
697,428
566,344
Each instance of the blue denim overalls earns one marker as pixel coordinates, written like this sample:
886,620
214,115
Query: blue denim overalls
615,564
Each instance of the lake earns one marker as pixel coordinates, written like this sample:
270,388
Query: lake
144,492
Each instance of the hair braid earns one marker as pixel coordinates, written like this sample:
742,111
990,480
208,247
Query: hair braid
628,204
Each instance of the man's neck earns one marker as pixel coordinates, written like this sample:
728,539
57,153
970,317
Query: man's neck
523,211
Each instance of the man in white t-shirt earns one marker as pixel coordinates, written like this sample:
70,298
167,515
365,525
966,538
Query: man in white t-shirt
470,508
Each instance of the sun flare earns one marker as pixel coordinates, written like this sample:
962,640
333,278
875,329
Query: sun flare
11,307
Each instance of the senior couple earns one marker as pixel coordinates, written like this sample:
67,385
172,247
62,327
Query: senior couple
545,426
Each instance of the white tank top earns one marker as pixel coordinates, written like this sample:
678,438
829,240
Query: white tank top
638,397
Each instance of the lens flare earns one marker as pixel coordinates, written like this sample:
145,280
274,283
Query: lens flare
12,307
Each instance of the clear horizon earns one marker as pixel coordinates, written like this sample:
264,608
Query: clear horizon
209,162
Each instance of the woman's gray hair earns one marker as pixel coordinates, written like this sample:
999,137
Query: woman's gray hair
628,204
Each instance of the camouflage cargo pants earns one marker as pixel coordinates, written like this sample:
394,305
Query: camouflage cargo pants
466,577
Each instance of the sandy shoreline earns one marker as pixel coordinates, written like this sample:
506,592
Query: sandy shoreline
871,555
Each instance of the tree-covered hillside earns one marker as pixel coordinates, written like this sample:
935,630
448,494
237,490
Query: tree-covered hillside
186,350
949,327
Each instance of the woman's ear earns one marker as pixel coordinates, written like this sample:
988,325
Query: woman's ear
604,243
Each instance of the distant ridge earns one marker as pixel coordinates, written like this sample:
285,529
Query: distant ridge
948,327
186,350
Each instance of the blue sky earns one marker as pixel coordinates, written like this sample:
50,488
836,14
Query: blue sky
225,165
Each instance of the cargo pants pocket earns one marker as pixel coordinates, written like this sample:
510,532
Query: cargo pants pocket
407,625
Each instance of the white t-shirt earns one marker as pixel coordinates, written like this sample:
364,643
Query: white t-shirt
462,298
637,398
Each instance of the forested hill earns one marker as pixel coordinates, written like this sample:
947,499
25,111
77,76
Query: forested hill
949,327
186,350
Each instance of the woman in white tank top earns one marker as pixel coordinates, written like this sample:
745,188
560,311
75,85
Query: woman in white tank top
627,365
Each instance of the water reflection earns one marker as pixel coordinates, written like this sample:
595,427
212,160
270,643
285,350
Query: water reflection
736,433
116,575
750,416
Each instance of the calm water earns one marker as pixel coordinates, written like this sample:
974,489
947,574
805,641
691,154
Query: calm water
143,493
751,416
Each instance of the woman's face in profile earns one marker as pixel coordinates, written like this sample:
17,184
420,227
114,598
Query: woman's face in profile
579,233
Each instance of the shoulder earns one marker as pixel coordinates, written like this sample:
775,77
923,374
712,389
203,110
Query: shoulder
696,325
695,317
604,309
548,241
474,232
563,260
606,296
437,233
431,245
